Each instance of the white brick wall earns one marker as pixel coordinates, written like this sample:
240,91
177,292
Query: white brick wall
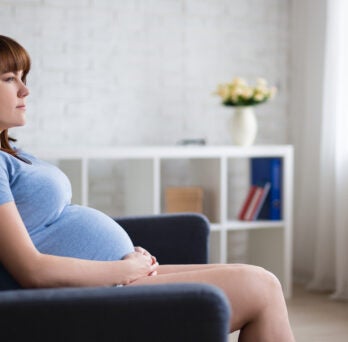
150,64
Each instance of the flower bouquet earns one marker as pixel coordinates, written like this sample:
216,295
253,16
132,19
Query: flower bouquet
239,93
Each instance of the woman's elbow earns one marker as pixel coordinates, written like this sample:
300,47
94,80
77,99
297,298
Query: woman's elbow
32,275
27,282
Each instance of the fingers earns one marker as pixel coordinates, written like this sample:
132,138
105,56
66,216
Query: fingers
154,260
144,252
154,269
150,260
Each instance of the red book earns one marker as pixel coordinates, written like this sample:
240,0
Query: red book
253,204
246,204
260,201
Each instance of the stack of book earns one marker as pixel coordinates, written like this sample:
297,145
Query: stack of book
254,202
263,201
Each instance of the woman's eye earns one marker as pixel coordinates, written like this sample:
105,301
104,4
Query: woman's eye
10,79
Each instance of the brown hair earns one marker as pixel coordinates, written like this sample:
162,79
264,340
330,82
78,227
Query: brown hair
13,57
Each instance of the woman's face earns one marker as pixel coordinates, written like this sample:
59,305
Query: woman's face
13,93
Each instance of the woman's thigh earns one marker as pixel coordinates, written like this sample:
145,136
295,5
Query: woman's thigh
167,269
201,273
239,282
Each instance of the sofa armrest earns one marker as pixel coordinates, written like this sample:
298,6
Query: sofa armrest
172,238
176,312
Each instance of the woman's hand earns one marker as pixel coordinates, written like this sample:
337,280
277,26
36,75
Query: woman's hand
142,264
144,252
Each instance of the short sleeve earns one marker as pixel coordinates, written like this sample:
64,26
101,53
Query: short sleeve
5,189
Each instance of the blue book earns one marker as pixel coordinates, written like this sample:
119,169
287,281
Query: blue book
265,170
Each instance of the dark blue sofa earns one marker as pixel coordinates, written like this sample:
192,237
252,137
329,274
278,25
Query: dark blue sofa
163,313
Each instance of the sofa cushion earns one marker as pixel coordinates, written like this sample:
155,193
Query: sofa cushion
6,280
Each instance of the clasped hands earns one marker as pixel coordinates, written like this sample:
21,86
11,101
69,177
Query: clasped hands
144,257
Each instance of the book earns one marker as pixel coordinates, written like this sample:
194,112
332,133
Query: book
265,170
253,203
246,203
275,194
261,201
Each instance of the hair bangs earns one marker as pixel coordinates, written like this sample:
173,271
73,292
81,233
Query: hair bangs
13,57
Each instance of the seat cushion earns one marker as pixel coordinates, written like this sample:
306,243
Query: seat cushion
6,280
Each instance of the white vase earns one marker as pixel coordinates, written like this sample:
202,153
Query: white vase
243,126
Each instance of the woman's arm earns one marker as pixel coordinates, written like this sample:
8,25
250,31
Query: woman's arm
34,269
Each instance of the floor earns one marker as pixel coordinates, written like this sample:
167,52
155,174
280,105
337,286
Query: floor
314,317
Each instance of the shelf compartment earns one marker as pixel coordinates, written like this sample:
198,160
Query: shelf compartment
204,173
260,247
238,184
122,187
215,247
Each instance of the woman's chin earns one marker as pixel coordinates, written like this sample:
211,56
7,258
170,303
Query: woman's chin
18,124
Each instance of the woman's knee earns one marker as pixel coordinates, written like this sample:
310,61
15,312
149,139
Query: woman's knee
260,281
266,279
251,289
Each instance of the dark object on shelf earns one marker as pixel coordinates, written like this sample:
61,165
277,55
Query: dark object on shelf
192,142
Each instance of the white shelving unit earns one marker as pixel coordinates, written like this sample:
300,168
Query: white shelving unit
145,177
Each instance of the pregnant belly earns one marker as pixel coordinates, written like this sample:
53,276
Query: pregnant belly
85,233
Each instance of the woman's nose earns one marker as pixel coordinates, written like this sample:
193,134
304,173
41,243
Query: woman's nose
23,91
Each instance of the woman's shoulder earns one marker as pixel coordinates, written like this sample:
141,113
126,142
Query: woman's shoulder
6,164
7,160
4,157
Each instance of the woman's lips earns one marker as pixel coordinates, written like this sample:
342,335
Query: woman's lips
21,107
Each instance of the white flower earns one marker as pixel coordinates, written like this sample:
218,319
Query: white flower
259,97
223,91
239,81
247,93
239,93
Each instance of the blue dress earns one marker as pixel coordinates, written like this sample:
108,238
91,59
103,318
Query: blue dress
42,194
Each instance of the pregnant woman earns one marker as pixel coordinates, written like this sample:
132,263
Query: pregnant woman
45,241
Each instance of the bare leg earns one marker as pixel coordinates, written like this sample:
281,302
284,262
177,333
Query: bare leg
170,269
255,294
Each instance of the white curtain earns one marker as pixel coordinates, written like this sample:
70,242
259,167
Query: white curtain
321,202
